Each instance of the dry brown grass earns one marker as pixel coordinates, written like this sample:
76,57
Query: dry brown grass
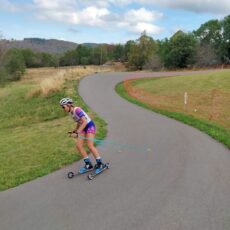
49,85
47,80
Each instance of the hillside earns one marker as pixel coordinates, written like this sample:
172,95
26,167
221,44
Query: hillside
40,45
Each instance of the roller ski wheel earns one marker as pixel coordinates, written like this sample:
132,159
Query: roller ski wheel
81,171
70,175
92,175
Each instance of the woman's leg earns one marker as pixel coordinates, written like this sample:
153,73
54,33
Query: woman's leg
80,147
90,143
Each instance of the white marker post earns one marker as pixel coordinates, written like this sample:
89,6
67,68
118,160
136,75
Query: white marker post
185,101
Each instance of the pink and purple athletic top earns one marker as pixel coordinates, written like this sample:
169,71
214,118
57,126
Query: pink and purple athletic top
77,114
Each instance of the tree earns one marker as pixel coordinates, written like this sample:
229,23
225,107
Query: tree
98,55
134,58
1,46
164,52
210,35
14,63
153,63
119,52
216,34
3,73
181,49
206,56
225,46
82,55
127,48
47,60
30,58
141,51
69,58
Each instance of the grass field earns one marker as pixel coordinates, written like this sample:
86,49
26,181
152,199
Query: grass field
33,127
208,100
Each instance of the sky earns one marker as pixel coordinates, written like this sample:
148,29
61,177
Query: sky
101,21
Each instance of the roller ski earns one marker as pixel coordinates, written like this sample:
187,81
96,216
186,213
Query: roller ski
99,168
87,168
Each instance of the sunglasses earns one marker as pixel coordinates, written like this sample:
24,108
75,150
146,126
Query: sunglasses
63,106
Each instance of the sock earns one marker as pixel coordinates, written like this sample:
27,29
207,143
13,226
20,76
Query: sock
98,160
87,160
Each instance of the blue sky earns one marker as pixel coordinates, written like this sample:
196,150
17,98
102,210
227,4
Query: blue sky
101,21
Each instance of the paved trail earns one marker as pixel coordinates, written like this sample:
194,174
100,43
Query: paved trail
164,175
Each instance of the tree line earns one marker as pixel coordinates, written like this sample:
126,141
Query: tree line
209,45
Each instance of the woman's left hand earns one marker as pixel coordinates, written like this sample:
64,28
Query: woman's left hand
73,134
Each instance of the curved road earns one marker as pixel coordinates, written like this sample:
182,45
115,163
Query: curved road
164,175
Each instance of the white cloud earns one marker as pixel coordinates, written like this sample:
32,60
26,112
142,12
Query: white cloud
97,3
98,13
139,20
74,12
54,5
198,6
142,15
105,3
70,12
93,16
8,6
149,28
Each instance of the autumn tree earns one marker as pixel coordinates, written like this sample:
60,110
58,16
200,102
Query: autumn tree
140,51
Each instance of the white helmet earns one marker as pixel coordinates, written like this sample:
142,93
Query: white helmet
66,101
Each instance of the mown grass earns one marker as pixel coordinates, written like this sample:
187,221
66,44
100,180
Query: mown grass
33,128
165,96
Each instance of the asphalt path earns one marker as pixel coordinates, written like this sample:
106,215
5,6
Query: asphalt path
164,175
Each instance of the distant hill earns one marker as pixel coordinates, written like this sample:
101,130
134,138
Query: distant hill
40,45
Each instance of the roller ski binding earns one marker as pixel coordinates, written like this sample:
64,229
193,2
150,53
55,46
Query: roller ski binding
99,168
87,168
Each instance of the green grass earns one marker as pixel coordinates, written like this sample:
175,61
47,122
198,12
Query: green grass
20,110
213,129
208,95
33,132
196,82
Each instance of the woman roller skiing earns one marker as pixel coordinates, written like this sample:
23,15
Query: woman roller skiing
84,131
